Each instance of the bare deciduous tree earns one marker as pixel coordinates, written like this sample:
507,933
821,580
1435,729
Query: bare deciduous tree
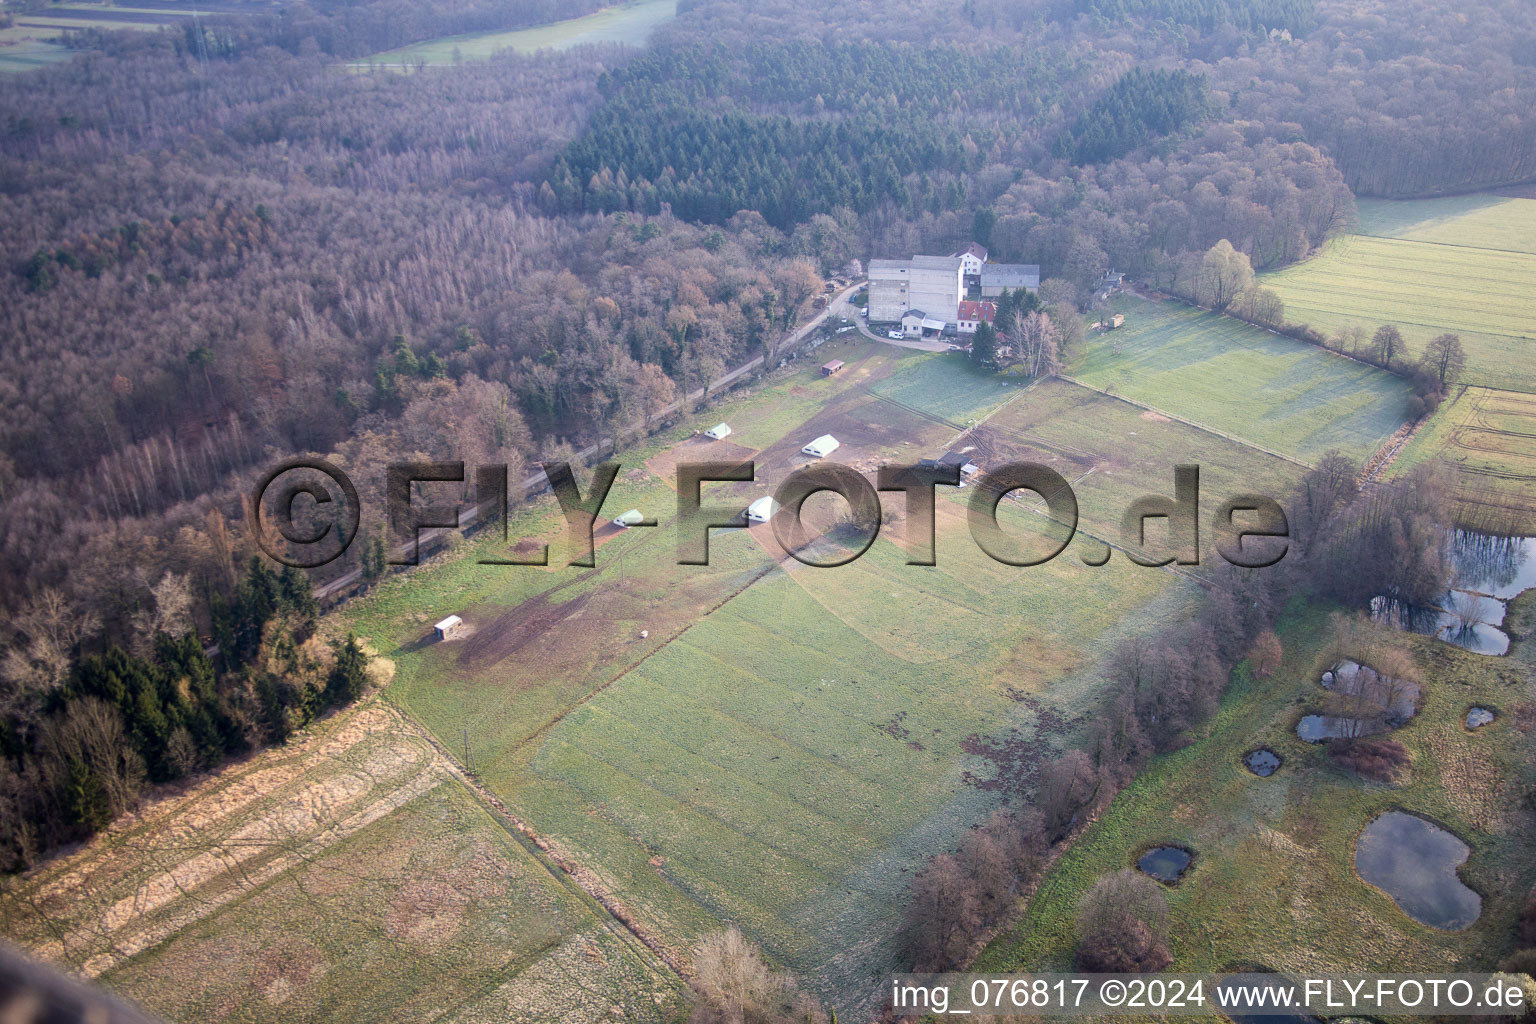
1225,273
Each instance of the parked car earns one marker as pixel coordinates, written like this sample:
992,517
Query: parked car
894,335
864,312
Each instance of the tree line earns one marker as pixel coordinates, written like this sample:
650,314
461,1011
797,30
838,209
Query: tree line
1347,545
82,737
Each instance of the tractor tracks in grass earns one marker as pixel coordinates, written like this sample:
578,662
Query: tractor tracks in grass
1191,423
617,917
567,872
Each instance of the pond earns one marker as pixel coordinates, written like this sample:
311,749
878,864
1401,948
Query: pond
1321,728
1479,717
1414,862
1488,571
1396,700
1263,762
1165,863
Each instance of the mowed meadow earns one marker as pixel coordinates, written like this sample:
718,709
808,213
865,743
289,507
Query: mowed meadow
1461,265
1287,396
780,746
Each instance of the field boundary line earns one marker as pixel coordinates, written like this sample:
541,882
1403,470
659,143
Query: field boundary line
560,866
1189,422
1448,245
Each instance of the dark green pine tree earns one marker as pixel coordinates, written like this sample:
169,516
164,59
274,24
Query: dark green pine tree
349,675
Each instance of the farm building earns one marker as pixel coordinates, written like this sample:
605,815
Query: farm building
967,467
762,510
974,314
828,369
820,448
718,432
631,518
923,282
915,323
971,258
449,628
998,277
938,284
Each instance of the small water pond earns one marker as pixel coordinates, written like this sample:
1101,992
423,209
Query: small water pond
1365,703
1322,728
1414,862
1263,762
1165,863
1489,571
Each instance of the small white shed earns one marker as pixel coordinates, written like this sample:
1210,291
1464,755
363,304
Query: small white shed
762,510
449,628
630,518
718,432
823,446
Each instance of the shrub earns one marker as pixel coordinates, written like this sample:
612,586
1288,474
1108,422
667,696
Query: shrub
1525,926
1134,950
1374,759
1122,925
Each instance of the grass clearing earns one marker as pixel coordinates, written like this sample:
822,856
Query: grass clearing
1277,392
787,744
24,51
1273,881
351,868
1461,265
628,23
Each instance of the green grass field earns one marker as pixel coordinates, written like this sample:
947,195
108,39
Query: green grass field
789,743
629,23
1282,394
25,52
1273,881
1461,265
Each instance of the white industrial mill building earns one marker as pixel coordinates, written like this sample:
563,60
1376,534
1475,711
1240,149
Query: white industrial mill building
936,285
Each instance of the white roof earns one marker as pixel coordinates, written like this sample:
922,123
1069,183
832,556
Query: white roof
762,508
719,430
823,445
449,622
631,517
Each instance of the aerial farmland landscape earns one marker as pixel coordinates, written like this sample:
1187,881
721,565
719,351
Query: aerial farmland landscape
760,512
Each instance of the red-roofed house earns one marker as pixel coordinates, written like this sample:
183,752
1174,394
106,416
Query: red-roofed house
973,313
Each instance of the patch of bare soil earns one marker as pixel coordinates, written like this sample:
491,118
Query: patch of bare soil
512,631
696,449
